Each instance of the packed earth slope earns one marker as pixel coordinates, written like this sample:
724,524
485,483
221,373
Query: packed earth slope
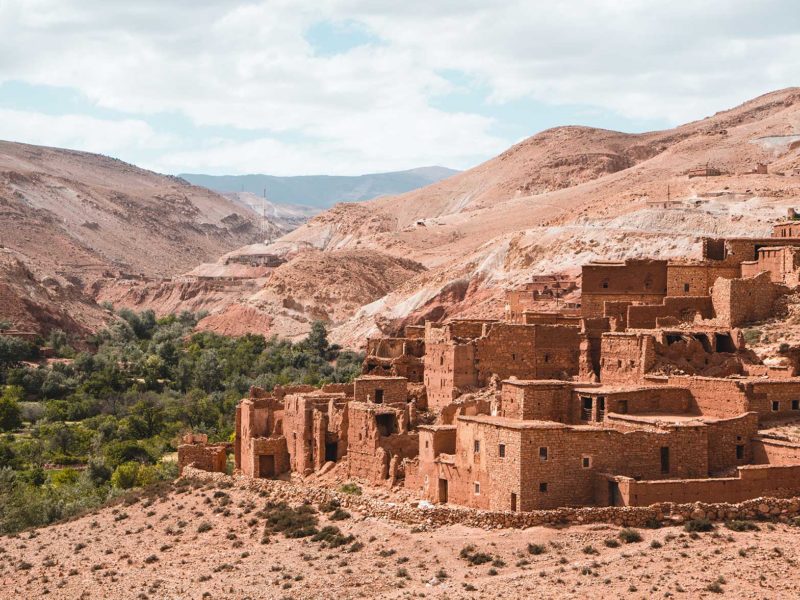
200,539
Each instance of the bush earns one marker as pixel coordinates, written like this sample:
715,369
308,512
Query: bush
741,526
473,557
611,543
125,476
536,549
350,488
630,535
331,537
292,522
10,410
698,525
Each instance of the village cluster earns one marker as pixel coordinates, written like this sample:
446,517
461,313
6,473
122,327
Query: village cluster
637,388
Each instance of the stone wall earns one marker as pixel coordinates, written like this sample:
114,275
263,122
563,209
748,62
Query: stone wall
643,281
381,390
696,279
752,481
681,308
778,509
741,301
202,456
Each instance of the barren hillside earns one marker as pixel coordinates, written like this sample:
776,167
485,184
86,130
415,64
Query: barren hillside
73,217
549,204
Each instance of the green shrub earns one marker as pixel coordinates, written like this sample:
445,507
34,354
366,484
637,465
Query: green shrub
473,557
350,488
536,549
737,525
125,476
630,535
698,525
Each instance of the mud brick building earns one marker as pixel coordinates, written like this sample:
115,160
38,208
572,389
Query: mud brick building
648,394
463,355
399,356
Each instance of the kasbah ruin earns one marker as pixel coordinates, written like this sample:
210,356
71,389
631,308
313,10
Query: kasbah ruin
639,389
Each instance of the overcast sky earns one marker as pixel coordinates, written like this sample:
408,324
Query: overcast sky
356,86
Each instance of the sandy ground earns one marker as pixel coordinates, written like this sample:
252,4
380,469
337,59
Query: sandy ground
154,550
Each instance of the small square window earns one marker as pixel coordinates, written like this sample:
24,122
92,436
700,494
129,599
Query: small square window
477,488
542,453
477,446
543,487
586,462
501,450
795,404
427,443
685,287
776,406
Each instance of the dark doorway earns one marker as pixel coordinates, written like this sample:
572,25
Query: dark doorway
513,502
378,396
443,490
387,424
331,452
601,407
665,459
266,465
613,493
586,408
724,342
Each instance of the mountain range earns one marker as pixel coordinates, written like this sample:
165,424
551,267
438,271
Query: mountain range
323,191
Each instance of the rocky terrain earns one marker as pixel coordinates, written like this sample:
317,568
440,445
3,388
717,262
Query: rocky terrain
211,540
70,218
549,204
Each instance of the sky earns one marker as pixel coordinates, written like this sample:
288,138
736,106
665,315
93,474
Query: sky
345,87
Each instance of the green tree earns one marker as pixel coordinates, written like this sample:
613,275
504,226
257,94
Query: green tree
125,475
10,411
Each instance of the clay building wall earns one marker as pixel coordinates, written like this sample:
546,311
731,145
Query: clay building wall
504,464
202,456
787,229
770,451
681,308
402,357
550,318
643,281
740,301
378,437
714,397
256,417
730,442
782,264
537,400
751,481
696,279
735,251
596,404
527,351
315,427
381,390
626,357
415,332
774,399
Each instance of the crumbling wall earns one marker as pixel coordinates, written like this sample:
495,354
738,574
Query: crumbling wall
202,456
682,308
741,301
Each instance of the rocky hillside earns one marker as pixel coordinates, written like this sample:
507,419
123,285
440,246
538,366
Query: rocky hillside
69,218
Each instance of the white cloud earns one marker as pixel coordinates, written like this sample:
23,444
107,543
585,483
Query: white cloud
248,66
79,132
